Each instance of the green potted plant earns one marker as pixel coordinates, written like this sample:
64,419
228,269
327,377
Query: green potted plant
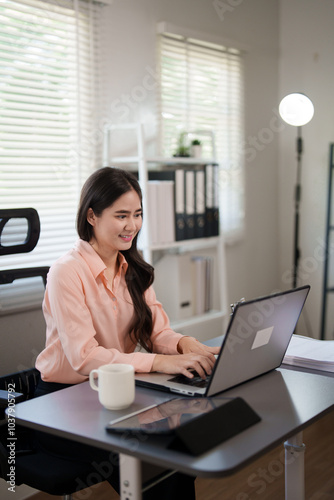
196,148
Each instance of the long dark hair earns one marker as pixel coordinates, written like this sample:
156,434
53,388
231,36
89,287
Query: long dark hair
100,191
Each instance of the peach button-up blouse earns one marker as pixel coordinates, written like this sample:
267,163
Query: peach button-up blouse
87,320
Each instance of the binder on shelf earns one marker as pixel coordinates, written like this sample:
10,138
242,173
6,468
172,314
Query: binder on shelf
179,197
216,201
152,195
166,212
161,205
211,200
199,204
180,224
189,204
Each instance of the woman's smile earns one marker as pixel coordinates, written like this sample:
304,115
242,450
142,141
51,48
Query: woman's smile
126,237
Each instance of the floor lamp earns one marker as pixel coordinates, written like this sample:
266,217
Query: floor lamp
297,109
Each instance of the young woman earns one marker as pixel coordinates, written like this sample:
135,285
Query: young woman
99,302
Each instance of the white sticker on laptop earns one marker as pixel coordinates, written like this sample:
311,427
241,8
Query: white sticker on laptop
262,337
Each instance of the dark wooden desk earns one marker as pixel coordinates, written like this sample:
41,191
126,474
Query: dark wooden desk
287,401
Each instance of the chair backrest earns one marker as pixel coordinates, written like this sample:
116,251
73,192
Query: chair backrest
29,243
33,232
23,333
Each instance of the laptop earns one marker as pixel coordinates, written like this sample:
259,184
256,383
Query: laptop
255,343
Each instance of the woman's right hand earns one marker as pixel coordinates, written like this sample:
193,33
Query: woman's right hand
183,364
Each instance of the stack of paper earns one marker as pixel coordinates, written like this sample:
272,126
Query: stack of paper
310,353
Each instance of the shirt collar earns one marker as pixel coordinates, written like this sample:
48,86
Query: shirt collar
94,261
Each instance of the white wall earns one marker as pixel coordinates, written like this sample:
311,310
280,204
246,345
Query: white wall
306,65
130,44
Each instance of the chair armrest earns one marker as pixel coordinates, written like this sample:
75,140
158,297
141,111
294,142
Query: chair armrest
9,275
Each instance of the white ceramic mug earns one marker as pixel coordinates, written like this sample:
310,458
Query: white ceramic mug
116,385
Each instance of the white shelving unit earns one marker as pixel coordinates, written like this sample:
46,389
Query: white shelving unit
197,325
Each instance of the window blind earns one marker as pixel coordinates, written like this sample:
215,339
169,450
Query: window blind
202,89
48,75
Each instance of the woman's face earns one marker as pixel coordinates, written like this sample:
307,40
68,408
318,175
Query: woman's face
116,227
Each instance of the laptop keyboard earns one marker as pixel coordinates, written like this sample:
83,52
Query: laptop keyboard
196,381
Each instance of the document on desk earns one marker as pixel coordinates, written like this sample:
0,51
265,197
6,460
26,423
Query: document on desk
310,353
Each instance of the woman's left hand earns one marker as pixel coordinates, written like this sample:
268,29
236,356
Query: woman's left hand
188,345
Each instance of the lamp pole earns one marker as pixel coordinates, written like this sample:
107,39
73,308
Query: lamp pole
298,193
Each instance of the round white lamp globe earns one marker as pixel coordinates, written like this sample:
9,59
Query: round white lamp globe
296,109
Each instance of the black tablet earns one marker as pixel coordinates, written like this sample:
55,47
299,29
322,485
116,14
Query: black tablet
166,417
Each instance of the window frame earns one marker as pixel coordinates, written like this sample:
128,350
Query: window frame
232,165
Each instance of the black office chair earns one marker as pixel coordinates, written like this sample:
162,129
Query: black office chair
35,466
